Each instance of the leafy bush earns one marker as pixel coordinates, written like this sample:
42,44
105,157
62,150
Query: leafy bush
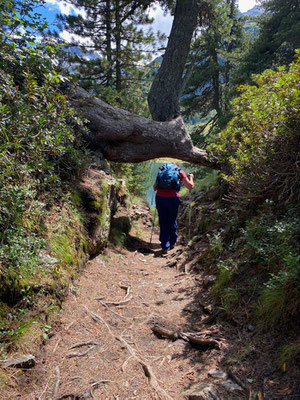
260,146
38,142
273,242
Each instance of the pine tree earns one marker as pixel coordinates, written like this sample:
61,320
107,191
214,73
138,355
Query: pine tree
206,92
112,61
279,37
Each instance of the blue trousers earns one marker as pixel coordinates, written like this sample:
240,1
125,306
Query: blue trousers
167,208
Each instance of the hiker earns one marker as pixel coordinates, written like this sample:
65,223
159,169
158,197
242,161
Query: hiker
167,185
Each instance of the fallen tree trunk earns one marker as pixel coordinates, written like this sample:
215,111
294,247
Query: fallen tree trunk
125,137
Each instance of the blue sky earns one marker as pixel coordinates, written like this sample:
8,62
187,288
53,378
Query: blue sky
161,22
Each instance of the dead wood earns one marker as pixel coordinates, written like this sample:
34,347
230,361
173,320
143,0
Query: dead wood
161,331
172,264
200,341
188,337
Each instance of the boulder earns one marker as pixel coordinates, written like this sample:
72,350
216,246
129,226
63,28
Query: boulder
99,200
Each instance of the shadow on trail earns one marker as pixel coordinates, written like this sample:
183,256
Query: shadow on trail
120,228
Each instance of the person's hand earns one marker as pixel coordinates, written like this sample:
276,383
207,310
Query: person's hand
191,175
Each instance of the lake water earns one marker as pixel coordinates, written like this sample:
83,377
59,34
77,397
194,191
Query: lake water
154,166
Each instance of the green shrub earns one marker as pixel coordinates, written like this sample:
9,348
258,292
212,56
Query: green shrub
260,146
40,144
272,241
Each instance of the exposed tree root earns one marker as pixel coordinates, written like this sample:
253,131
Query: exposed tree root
56,345
57,381
133,355
113,312
89,343
125,300
161,331
72,355
43,392
188,337
87,394
153,381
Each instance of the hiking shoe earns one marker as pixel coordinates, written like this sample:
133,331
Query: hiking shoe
164,251
172,246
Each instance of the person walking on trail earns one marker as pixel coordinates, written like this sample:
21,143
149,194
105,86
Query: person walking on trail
167,186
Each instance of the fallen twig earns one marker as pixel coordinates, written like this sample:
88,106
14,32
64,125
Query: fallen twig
200,341
43,392
181,274
56,345
57,381
165,332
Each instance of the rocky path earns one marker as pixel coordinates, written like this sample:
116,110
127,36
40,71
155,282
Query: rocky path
133,327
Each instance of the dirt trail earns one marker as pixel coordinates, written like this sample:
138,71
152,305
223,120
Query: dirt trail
104,347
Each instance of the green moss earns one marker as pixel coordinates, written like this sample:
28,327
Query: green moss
120,227
101,204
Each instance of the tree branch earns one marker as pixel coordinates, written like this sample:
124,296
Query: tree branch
125,137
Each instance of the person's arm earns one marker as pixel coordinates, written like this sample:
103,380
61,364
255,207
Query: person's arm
188,181
155,186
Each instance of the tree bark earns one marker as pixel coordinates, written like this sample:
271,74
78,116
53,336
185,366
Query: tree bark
165,92
118,47
108,41
125,137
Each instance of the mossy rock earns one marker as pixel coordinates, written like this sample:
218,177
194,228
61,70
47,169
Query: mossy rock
99,200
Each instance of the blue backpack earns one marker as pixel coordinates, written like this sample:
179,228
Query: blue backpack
168,177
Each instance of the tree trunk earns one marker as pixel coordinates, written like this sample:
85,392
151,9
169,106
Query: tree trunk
165,92
125,137
216,81
108,42
118,47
